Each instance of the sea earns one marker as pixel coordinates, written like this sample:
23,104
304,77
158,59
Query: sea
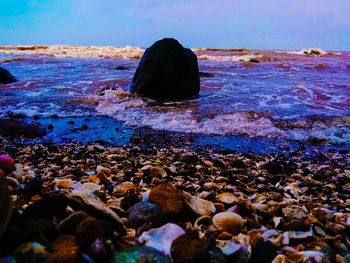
250,100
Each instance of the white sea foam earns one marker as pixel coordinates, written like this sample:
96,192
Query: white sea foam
127,52
45,111
309,51
243,58
137,112
76,51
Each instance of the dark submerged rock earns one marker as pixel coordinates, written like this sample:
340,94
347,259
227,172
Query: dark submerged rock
167,70
206,74
6,77
16,128
121,68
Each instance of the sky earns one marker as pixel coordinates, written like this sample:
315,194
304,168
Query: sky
254,24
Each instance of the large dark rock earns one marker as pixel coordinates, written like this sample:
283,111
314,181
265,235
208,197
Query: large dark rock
6,77
168,71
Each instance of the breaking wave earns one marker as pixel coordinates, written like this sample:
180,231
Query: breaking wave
277,99
128,52
138,112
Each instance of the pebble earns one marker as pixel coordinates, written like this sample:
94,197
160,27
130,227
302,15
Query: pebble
70,224
244,207
168,199
229,221
7,164
64,250
144,212
87,232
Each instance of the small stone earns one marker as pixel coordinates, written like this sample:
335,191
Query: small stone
188,157
263,252
229,221
101,250
129,200
144,212
32,187
227,198
87,232
63,183
70,224
274,167
188,248
210,186
139,254
168,199
103,169
7,164
64,250
103,177
31,250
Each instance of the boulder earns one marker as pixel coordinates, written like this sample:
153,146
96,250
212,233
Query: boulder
167,71
6,77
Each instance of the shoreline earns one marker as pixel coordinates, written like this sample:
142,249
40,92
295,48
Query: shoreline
114,133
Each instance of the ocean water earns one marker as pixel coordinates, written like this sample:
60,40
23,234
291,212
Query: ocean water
296,96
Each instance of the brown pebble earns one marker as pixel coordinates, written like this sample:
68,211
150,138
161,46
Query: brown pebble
64,250
168,199
88,231
102,177
70,224
188,248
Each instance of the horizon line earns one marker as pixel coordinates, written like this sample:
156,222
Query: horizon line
134,46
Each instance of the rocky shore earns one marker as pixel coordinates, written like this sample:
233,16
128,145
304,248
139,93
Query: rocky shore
98,203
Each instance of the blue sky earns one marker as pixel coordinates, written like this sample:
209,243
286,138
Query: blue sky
258,24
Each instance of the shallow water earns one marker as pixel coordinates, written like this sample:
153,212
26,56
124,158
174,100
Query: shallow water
288,95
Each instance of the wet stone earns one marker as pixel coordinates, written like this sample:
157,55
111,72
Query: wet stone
144,212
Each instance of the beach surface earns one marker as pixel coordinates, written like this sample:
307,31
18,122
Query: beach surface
256,169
